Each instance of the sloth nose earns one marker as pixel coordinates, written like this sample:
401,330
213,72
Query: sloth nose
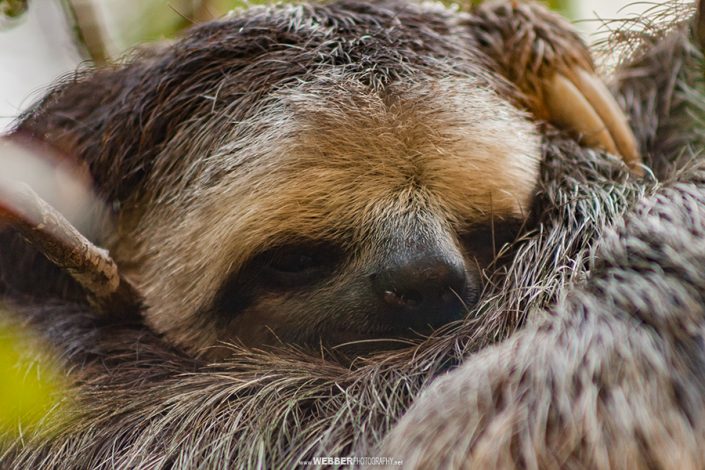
423,291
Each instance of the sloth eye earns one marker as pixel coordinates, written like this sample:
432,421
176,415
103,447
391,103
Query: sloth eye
296,265
282,268
483,241
294,262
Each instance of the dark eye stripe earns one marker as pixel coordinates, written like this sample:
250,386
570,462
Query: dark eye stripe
290,267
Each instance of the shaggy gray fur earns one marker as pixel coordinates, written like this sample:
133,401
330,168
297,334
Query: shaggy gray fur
612,375
612,378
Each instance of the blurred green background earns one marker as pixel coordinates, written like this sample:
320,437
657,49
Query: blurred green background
31,388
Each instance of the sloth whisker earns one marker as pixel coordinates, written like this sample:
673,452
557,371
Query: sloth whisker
460,298
375,340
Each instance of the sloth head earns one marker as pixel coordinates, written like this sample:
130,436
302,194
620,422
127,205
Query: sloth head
326,174
335,214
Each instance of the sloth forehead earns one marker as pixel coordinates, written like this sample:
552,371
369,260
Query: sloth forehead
338,150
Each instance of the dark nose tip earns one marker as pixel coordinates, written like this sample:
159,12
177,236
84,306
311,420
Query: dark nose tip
424,291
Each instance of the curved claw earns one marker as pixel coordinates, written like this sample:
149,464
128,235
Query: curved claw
582,103
700,24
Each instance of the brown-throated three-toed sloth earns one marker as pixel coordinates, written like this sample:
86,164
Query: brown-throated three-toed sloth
322,174
385,133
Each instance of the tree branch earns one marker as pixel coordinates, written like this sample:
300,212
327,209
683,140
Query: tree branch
54,236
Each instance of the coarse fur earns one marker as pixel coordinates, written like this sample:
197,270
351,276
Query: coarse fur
147,403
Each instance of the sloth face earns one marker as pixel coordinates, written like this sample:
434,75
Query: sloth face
337,214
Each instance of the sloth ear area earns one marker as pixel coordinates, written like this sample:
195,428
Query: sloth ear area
541,54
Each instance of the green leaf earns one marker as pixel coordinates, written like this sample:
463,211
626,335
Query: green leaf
31,391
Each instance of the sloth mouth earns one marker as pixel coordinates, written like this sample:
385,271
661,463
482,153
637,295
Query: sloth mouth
384,329
373,340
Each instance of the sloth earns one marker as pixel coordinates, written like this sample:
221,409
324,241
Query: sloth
325,174
571,357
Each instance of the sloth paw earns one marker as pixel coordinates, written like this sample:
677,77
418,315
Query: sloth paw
543,56
580,102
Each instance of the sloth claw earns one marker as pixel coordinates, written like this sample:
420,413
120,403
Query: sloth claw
579,101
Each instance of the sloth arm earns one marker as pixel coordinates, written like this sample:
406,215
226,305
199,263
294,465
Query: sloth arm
543,56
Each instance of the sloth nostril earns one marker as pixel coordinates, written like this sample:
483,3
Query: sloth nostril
407,299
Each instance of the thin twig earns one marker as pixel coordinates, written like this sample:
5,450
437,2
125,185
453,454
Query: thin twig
54,236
